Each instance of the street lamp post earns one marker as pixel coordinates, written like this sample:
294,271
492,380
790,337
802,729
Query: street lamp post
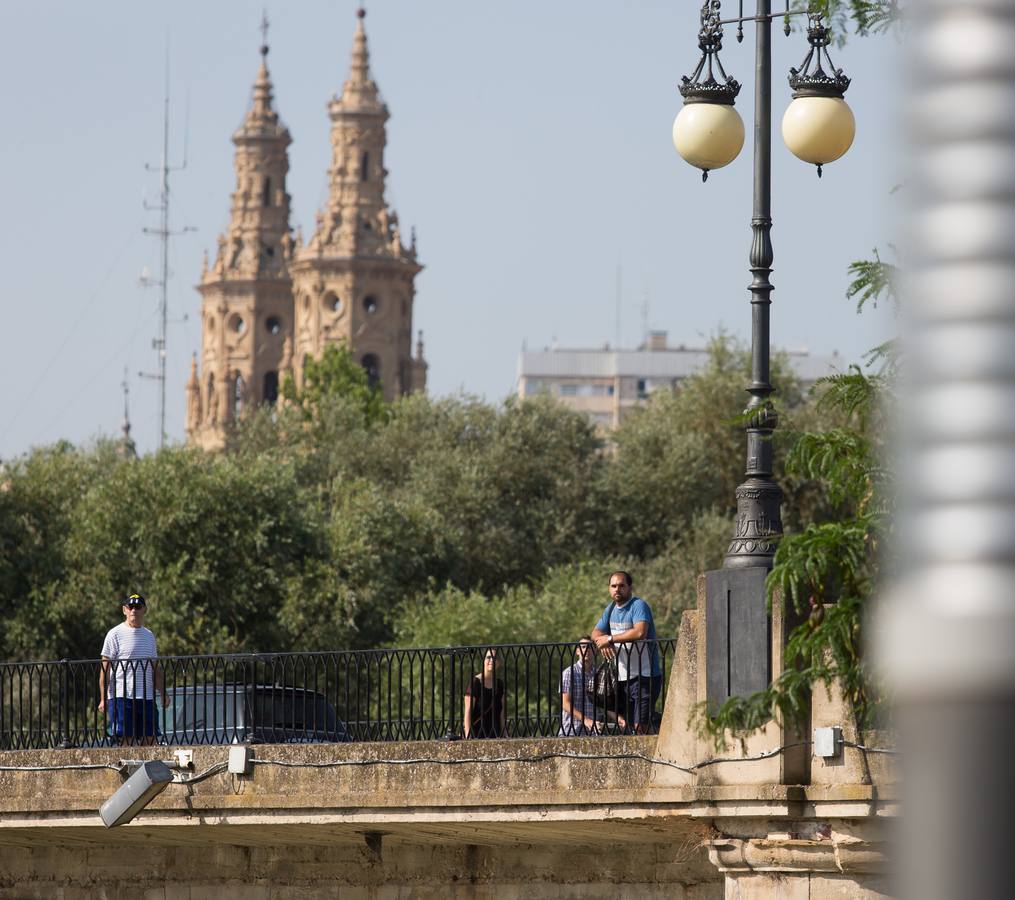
818,127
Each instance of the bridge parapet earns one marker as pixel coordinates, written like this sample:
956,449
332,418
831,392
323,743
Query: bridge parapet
553,817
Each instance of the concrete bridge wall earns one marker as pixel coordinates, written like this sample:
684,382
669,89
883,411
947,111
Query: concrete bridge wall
555,818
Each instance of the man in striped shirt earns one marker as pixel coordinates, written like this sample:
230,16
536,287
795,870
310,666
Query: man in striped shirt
130,675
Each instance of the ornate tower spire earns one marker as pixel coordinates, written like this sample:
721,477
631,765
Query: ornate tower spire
257,241
353,280
247,294
125,447
359,91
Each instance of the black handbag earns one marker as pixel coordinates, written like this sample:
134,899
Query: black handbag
605,682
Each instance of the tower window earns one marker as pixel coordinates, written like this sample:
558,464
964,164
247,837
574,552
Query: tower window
364,167
212,404
273,324
270,392
239,393
266,192
237,324
370,305
332,303
372,366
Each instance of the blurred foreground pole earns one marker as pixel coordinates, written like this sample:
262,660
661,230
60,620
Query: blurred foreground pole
948,634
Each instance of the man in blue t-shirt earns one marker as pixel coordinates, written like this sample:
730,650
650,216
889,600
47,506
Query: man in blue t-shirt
626,630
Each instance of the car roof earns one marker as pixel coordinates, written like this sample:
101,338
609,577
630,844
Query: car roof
236,686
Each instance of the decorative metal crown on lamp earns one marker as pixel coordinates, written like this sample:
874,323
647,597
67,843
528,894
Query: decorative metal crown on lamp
818,126
708,132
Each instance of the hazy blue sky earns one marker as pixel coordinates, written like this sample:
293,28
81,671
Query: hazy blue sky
529,143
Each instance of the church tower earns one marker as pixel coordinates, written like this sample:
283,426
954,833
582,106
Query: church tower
353,281
246,296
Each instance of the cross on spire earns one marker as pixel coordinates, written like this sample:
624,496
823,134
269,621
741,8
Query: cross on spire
264,32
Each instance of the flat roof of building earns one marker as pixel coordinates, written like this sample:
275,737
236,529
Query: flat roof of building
672,362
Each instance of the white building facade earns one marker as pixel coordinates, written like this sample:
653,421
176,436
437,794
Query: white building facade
606,384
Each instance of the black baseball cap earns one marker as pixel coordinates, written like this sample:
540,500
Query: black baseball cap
134,600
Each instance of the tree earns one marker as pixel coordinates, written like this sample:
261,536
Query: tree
39,495
335,374
683,452
221,550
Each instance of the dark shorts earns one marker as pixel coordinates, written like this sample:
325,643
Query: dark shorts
133,718
636,700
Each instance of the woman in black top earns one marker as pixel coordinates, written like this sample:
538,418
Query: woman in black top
485,716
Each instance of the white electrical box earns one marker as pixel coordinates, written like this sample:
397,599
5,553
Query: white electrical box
240,760
827,741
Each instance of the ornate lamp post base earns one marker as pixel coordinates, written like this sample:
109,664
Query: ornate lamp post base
758,526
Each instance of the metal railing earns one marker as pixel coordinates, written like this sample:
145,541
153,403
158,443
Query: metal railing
357,695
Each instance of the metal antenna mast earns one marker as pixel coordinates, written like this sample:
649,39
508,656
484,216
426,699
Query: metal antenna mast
163,232
618,299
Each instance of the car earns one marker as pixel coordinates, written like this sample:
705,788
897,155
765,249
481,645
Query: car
240,713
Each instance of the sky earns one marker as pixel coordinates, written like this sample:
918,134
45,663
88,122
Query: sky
529,144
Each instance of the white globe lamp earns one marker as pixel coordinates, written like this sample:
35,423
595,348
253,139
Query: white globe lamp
818,126
708,132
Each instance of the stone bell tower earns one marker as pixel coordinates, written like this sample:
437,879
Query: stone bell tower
353,281
246,305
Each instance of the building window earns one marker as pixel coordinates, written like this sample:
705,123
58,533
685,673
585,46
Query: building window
212,406
266,192
569,390
239,393
372,366
364,167
270,392
642,388
332,303
273,324
370,305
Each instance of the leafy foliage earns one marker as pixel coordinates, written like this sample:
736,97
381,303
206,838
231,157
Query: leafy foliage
876,16
335,374
872,281
867,17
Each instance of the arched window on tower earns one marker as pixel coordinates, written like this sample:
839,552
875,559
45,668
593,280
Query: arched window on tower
270,393
364,167
212,405
372,366
239,394
266,192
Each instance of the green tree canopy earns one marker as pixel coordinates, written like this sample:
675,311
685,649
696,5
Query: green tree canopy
335,374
